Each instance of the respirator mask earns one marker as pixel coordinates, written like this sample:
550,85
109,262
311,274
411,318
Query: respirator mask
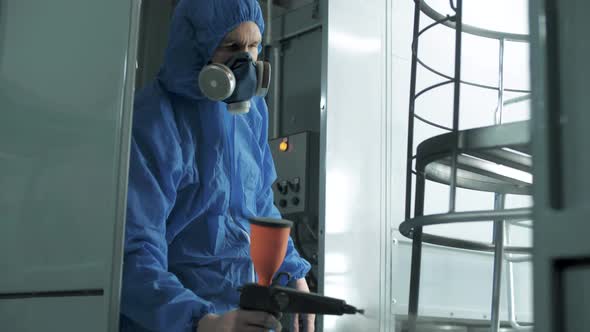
235,82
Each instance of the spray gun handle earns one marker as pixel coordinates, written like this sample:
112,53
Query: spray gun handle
278,299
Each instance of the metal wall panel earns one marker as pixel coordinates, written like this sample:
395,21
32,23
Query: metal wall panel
560,71
153,38
301,72
65,314
298,34
66,90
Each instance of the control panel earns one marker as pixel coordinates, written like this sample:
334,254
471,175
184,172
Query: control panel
296,194
296,162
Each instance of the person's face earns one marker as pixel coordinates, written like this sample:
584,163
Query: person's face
245,38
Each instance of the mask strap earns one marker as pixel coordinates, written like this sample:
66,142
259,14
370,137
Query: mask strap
263,71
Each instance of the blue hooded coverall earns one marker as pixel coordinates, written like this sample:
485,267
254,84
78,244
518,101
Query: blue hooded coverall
196,174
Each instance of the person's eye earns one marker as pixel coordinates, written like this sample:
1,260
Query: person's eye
254,45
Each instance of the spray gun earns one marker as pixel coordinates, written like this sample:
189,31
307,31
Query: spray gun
268,246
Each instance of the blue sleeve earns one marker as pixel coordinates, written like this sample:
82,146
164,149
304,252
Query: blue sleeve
293,264
153,298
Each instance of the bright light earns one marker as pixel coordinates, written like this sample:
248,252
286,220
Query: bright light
338,202
335,286
284,146
353,43
330,322
336,263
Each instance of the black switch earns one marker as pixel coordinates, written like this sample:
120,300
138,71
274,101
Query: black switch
283,203
295,185
283,187
295,201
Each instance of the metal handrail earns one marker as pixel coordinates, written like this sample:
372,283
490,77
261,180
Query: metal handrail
470,29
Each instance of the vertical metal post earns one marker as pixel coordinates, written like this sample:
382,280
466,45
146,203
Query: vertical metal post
456,102
416,257
276,90
500,107
123,160
510,281
417,234
510,288
499,201
268,24
272,49
413,75
498,262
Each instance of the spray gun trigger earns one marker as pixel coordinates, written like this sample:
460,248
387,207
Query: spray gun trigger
276,281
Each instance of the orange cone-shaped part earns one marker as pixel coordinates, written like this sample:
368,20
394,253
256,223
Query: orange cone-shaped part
268,246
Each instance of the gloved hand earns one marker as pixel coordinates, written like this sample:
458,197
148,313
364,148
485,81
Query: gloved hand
239,321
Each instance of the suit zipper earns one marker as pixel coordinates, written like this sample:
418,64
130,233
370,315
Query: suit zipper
233,176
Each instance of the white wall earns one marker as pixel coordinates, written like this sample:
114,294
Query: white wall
353,148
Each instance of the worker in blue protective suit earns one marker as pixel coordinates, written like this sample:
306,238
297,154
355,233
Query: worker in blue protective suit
197,172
